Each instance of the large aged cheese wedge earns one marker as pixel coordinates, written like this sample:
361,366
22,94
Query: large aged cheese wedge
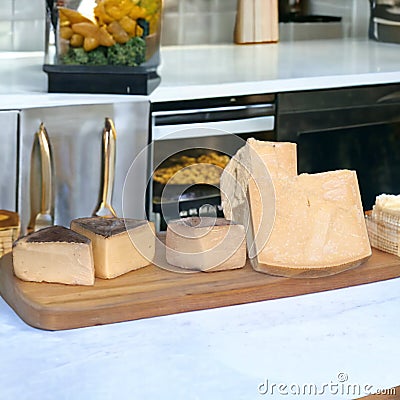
54,254
119,245
297,225
205,244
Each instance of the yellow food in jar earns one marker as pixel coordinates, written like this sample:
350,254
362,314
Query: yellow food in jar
206,168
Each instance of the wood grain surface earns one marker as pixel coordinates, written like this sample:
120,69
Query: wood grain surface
152,291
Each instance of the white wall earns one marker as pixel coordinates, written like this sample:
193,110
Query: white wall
354,13
212,21
186,22
22,25
198,21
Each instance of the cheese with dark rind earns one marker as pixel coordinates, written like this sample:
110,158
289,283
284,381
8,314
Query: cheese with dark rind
205,244
108,227
308,224
120,245
54,254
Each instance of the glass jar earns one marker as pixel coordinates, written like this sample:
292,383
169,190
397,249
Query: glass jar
103,33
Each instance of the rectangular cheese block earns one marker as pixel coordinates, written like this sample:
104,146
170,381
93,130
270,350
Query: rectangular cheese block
310,224
205,244
55,254
119,245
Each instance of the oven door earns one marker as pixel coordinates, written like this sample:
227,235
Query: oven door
352,128
202,131
8,172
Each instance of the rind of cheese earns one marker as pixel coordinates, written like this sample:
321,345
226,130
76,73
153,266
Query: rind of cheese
108,227
55,254
119,245
205,244
314,222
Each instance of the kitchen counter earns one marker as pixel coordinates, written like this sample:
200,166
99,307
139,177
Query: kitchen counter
211,71
348,335
224,70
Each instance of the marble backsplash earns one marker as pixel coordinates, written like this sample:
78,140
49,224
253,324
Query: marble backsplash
185,22
22,25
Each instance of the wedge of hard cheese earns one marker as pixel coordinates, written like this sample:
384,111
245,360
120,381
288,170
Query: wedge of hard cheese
205,244
298,225
119,245
54,254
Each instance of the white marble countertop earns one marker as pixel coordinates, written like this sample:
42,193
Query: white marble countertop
224,353
224,70
23,84
210,71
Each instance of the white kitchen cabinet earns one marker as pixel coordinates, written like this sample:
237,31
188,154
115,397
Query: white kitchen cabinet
8,169
75,136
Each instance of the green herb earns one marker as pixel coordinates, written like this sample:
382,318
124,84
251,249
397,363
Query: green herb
132,53
76,56
98,56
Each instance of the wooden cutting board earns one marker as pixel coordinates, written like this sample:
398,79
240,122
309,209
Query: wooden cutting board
152,291
386,394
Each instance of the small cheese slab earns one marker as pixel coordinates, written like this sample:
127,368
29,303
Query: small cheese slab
55,254
120,245
299,225
205,244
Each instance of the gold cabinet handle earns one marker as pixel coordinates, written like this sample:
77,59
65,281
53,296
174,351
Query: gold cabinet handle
104,207
42,212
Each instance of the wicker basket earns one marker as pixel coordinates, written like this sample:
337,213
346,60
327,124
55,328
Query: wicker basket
10,228
384,231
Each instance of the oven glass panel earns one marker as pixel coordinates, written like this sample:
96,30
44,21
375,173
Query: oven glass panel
192,191
372,151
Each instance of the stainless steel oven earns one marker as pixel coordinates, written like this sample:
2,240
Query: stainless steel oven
354,128
75,137
202,131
